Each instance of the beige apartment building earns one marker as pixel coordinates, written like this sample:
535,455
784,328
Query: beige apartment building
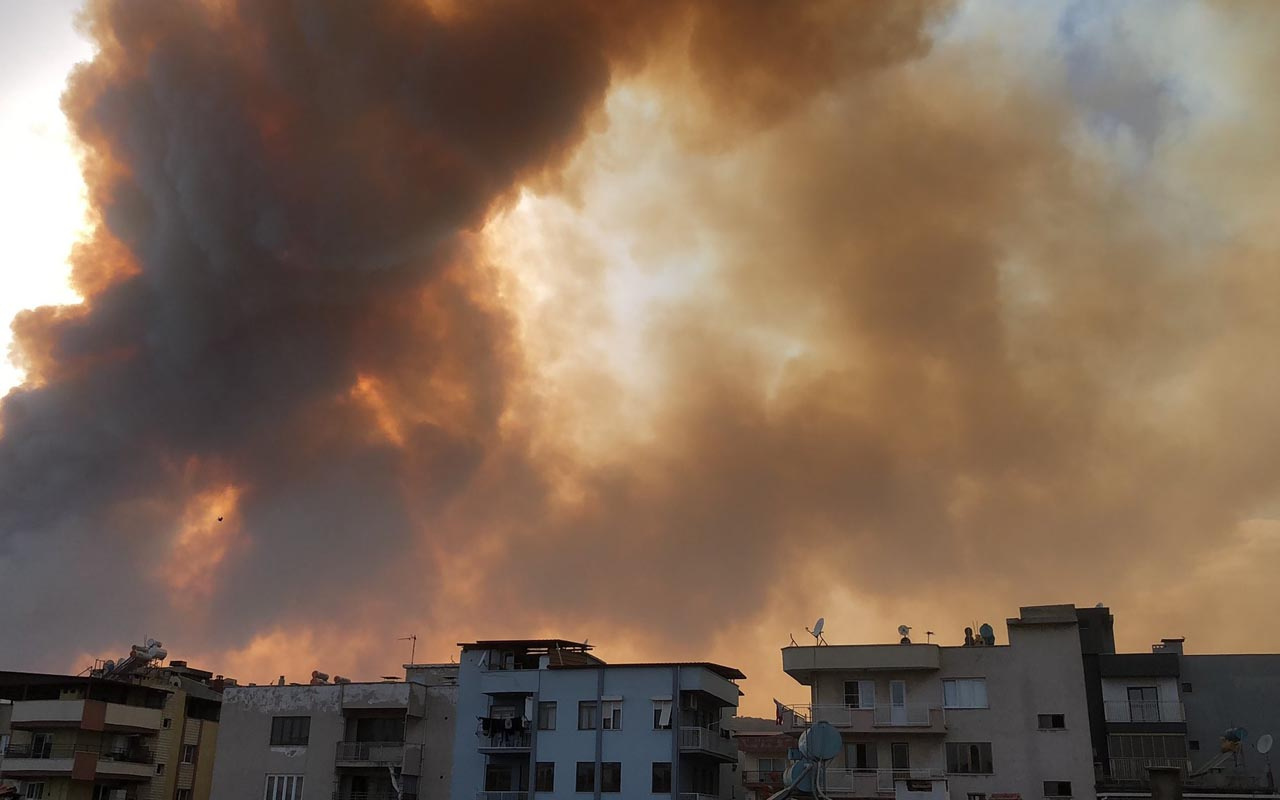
147,735
977,721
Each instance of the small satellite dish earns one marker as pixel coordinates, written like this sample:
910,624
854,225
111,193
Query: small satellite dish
903,630
1100,605
1264,743
816,632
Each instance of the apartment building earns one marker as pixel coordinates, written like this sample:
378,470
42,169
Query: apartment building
979,721
1199,714
382,740
546,718
148,735
763,745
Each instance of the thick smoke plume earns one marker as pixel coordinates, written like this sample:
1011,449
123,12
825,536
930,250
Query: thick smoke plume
926,342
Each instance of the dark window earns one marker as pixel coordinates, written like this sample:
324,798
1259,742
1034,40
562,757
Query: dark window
182,794
900,755
1186,687
544,778
1194,744
662,715
499,778
1052,721
586,781
166,722
1144,704
160,768
290,730
611,776
587,718
1057,788
379,729
661,777
546,716
860,755
976,796
188,754
969,758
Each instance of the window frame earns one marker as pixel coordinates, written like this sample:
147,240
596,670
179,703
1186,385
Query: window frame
1040,719
28,786
538,772
661,707
274,786
610,769
1058,785
193,750
957,702
959,758
283,733
611,715
654,786
544,706
585,769
864,693
593,707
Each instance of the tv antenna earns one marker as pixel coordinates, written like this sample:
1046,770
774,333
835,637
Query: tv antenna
928,636
816,633
413,645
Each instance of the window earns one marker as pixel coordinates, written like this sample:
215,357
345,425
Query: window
965,693
1194,744
34,791
283,787
160,768
662,715
546,716
1186,688
290,730
499,778
662,777
969,758
772,764
544,776
1144,704
1053,722
586,780
611,715
166,723
611,776
860,694
188,754
900,755
383,729
42,745
975,796
587,716
860,755
1057,788
182,794
101,792
1137,748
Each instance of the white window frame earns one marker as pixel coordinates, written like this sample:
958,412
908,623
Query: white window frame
194,750
33,790
663,722
283,786
964,693
866,694
611,713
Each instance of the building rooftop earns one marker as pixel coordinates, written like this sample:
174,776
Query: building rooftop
728,673
511,644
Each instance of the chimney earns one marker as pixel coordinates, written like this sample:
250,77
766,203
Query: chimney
1169,646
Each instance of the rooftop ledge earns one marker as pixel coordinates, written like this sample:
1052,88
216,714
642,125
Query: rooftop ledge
799,662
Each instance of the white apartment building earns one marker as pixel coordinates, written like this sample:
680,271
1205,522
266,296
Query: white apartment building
973,722
545,718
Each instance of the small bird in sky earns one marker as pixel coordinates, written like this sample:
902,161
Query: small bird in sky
219,519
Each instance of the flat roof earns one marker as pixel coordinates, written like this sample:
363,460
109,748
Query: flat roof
563,644
728,673
10,679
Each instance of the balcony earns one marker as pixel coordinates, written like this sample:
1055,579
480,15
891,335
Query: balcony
706,740
369,754
910,718
698,796
502,795
1144,711
49,759
504,742
763,777
80,762
1134,770
364,796
866,782
93,715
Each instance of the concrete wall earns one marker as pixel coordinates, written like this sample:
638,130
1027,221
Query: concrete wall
1230,691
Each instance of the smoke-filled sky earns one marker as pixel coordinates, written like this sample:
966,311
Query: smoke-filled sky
669,324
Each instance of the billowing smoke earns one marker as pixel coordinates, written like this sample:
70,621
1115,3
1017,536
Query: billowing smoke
671,324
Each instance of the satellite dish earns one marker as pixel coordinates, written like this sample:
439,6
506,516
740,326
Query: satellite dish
817,626
903,630
1264,743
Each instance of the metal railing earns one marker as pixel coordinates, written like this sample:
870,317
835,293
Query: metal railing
698,796
501,795
373,752
766,776
693,738
1134,770
365,796
505,740
915,715
44,751
872,781
1144,711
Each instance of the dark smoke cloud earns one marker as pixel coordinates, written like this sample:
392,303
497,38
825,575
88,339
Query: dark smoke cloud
936,358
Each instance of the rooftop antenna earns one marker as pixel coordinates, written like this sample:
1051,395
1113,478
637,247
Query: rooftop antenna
816,633
413,647
928,637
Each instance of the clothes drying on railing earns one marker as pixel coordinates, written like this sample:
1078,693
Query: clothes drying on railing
493,725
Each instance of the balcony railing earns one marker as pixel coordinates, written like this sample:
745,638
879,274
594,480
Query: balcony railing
931,717
1134,770
698,796
861,782
505,740
768,777
1144,711
370,752
706,739
44,751
365,796
502,795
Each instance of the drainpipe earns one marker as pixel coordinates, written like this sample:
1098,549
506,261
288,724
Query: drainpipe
675,733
